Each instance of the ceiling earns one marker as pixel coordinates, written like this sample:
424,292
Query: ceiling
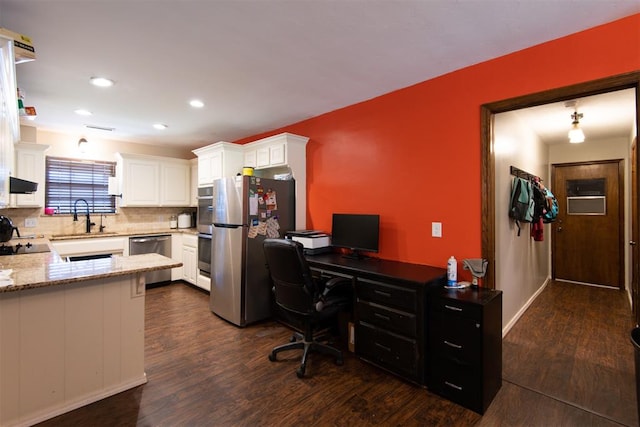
261,64
606,116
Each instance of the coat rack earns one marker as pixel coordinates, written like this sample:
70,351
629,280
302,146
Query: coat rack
524,175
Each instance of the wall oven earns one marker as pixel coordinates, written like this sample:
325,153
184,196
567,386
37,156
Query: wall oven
204,254
205,209
205,225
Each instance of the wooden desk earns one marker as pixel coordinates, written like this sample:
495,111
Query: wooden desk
390,314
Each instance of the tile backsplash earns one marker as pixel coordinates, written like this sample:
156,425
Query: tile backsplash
125,220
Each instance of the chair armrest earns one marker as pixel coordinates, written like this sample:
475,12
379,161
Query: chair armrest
334,282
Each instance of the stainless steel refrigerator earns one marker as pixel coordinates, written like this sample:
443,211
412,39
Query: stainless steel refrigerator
247,210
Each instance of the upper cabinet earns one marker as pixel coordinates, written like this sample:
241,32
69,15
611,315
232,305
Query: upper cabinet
9,122
285,149
218,160
29,165
153,181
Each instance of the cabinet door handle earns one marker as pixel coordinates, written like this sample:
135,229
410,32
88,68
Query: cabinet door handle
457,387
382,316
450,344
384,294
450,307
384,347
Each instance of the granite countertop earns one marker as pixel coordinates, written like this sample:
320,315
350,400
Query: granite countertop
126,233
49,269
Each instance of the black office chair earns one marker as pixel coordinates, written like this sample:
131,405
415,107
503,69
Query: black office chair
304,298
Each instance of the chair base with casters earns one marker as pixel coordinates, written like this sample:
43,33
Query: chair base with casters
309,345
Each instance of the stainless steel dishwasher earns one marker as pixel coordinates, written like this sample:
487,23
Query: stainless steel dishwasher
158,244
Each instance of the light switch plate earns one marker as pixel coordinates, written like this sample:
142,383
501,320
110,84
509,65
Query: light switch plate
436,229
30,222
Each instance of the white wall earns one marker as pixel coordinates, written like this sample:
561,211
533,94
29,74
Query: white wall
522,264
66,145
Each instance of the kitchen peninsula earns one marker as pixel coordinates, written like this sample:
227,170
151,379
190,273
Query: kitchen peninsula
71,333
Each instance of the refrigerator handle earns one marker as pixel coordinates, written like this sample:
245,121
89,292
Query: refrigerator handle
218,225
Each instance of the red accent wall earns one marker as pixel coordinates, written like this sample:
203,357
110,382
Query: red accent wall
413,155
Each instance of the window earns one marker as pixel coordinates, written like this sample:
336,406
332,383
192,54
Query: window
71,179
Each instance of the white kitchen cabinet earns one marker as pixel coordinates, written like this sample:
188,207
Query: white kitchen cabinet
9,122
176,255
30,165
218,160
153,181
139,181
262,157
175,187
250,159
190,258
194,183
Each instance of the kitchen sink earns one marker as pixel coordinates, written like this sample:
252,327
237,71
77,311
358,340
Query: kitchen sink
74,235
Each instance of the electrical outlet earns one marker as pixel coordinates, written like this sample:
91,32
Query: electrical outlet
30,222
436,229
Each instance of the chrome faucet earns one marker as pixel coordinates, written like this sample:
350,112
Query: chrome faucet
75,213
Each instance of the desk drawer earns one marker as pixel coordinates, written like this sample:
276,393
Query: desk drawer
388,318
456,307
397,353
457,338
459,383
386,294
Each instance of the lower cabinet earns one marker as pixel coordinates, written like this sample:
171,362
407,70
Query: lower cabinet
465,346
190,258
390,327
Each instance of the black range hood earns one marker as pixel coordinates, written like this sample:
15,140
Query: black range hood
22,186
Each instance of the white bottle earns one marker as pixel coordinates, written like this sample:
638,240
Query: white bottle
452,271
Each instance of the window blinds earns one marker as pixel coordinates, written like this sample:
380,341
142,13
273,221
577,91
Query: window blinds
68,180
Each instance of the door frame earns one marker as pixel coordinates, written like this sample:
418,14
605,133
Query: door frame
621,213
487,161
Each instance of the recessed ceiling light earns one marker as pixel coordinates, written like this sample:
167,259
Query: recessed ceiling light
160,126
82,112
196,103
101,82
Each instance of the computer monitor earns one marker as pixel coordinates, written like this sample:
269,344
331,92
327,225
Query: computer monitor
357,232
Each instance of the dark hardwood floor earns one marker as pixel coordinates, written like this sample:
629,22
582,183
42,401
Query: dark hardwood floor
203,371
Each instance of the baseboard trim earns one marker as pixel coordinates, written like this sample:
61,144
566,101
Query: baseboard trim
82,401
524,308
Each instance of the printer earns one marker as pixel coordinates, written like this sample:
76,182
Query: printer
313,241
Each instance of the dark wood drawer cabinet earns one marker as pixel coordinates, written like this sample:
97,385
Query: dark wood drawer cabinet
465,346
390,309
390,327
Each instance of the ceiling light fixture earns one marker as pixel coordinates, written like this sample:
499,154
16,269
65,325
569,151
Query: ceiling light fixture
82,112
99,128
83,144
196,103
576,135
101,82
160,126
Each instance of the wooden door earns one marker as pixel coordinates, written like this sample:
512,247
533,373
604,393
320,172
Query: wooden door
588,233
635,255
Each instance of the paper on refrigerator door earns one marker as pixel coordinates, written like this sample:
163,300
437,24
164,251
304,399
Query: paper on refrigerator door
273,227
253,205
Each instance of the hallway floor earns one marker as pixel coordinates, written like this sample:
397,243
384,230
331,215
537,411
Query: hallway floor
573,346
